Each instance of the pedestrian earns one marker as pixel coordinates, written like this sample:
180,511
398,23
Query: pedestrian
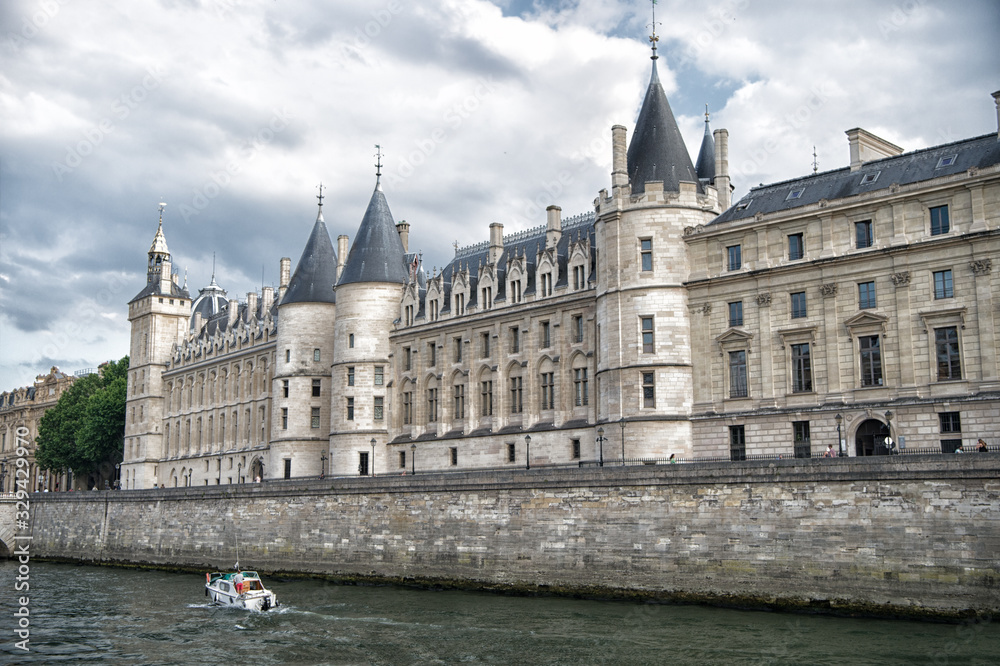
829,453
982,446
959,449
673,459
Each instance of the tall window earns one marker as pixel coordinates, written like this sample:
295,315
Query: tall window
737,443
454,455
315,417
317,387
951,428
459,390
578,328
647,335
646,250
515,291
516,391
315,354
796,247
515,340
579,278
736,313
734,258
350,373
487,298
511,453
288,355
485,344
284,388
407,358
434,309
942,284
863,234
350,409
459,304
939,221
379,407
350,340
431,354
284,418
866,295
648,389
408,311
738,374
432,405
379,375
546,284
576,449
546,336
871,360
407,407
798,305
548,390
486,398
457,342
580,386
800,435
801,369
402,460
948,362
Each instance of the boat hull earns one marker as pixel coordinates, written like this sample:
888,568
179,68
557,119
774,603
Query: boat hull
241,590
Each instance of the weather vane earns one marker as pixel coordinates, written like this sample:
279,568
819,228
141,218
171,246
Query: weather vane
378,161
653,38
320,195
815,161
162,206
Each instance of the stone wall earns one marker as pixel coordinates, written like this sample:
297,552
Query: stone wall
912,535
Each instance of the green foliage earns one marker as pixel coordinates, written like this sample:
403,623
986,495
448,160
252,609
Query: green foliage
87,425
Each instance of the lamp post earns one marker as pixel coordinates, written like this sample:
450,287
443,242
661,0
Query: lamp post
118,476
889,440
322,460
600,440
373,457
190,472
527,452
622,424
840,441
413,459
239,467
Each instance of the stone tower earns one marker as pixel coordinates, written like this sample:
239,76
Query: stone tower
644,366
159,315
300,414
368,296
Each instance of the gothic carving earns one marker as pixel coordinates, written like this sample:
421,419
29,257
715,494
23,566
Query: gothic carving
764,299
901,279
828,290
706,309
981,267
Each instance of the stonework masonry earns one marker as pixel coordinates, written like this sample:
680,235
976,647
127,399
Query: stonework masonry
912,535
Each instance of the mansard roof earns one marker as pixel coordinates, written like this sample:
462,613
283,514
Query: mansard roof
316,272
657,150
377,254
913,167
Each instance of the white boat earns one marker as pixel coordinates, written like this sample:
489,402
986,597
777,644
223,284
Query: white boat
242,589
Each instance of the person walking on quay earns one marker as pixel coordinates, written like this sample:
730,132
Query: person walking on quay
982,448
959,449
829,453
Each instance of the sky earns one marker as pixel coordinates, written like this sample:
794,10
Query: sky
232,112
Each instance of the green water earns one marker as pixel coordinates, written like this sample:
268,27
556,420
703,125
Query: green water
102,615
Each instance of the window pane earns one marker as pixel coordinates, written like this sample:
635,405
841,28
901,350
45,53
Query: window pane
863,231
939,221
871,361
738,374
866,295
798,305
948,362
943,284
735,259
801,369
796,248
736,313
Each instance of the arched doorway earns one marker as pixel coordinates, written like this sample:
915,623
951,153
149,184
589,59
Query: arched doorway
870,438
257,469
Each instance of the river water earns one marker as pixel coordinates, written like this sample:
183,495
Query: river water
102,615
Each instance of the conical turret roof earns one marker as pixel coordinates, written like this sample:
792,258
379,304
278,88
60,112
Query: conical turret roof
705,166
377,254
316,272
657,151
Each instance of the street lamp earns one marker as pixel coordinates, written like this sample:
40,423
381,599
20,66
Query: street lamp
239,466
373,457
413,459
889,440
118,475
600,440
322,460
527,452
622,424
840,441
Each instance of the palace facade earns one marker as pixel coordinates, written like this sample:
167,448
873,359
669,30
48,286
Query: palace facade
853,308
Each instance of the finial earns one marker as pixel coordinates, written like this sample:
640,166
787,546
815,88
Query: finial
185,277
162,206
320,195
653,38
378,162
815,162
706,113
213,267
455,245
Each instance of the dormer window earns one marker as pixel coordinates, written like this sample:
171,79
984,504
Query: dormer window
795,194
869,178
946,161
743,205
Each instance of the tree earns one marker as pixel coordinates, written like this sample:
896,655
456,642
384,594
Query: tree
87,425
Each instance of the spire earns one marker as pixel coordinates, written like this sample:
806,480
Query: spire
705,166
377,254
653,39
316,273
378,167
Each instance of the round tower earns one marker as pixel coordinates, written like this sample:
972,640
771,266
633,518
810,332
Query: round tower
304,348
368,293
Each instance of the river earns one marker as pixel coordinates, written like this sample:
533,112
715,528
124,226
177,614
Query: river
85,614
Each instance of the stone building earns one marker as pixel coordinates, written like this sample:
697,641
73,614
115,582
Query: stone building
20,412
665,321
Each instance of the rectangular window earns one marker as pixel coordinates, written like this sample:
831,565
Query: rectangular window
486,398
350,375
402,459
511,453
646,249
284,388
315,417
284,418
317,387
648,389
647,335
431,354
546,340
800,435
350,409
801,369
288,468
460,304
578,328
379,407
460,401
580,387
350,340
798,305
736,313
454,455
738,374
866,295
863,234
734,258
487,297
484,344
950,422
458,349
515,291
379,375
576,449
871,360
515,340
939,221
942,284
288,352
737,443
407,407
548,390
407,359
796,247
948,362
516,392
432,405
315,354
579,278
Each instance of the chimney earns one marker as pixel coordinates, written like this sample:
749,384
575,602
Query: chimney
341,254
553,223
251,305
403,227
197,323
996,98
166,277
721,137
286,273
619,157
267,299
496,243
233,311
866,147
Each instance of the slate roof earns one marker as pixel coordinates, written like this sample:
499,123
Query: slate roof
705,166
377,254
316,272
210,302
912,167
657,150
153,288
